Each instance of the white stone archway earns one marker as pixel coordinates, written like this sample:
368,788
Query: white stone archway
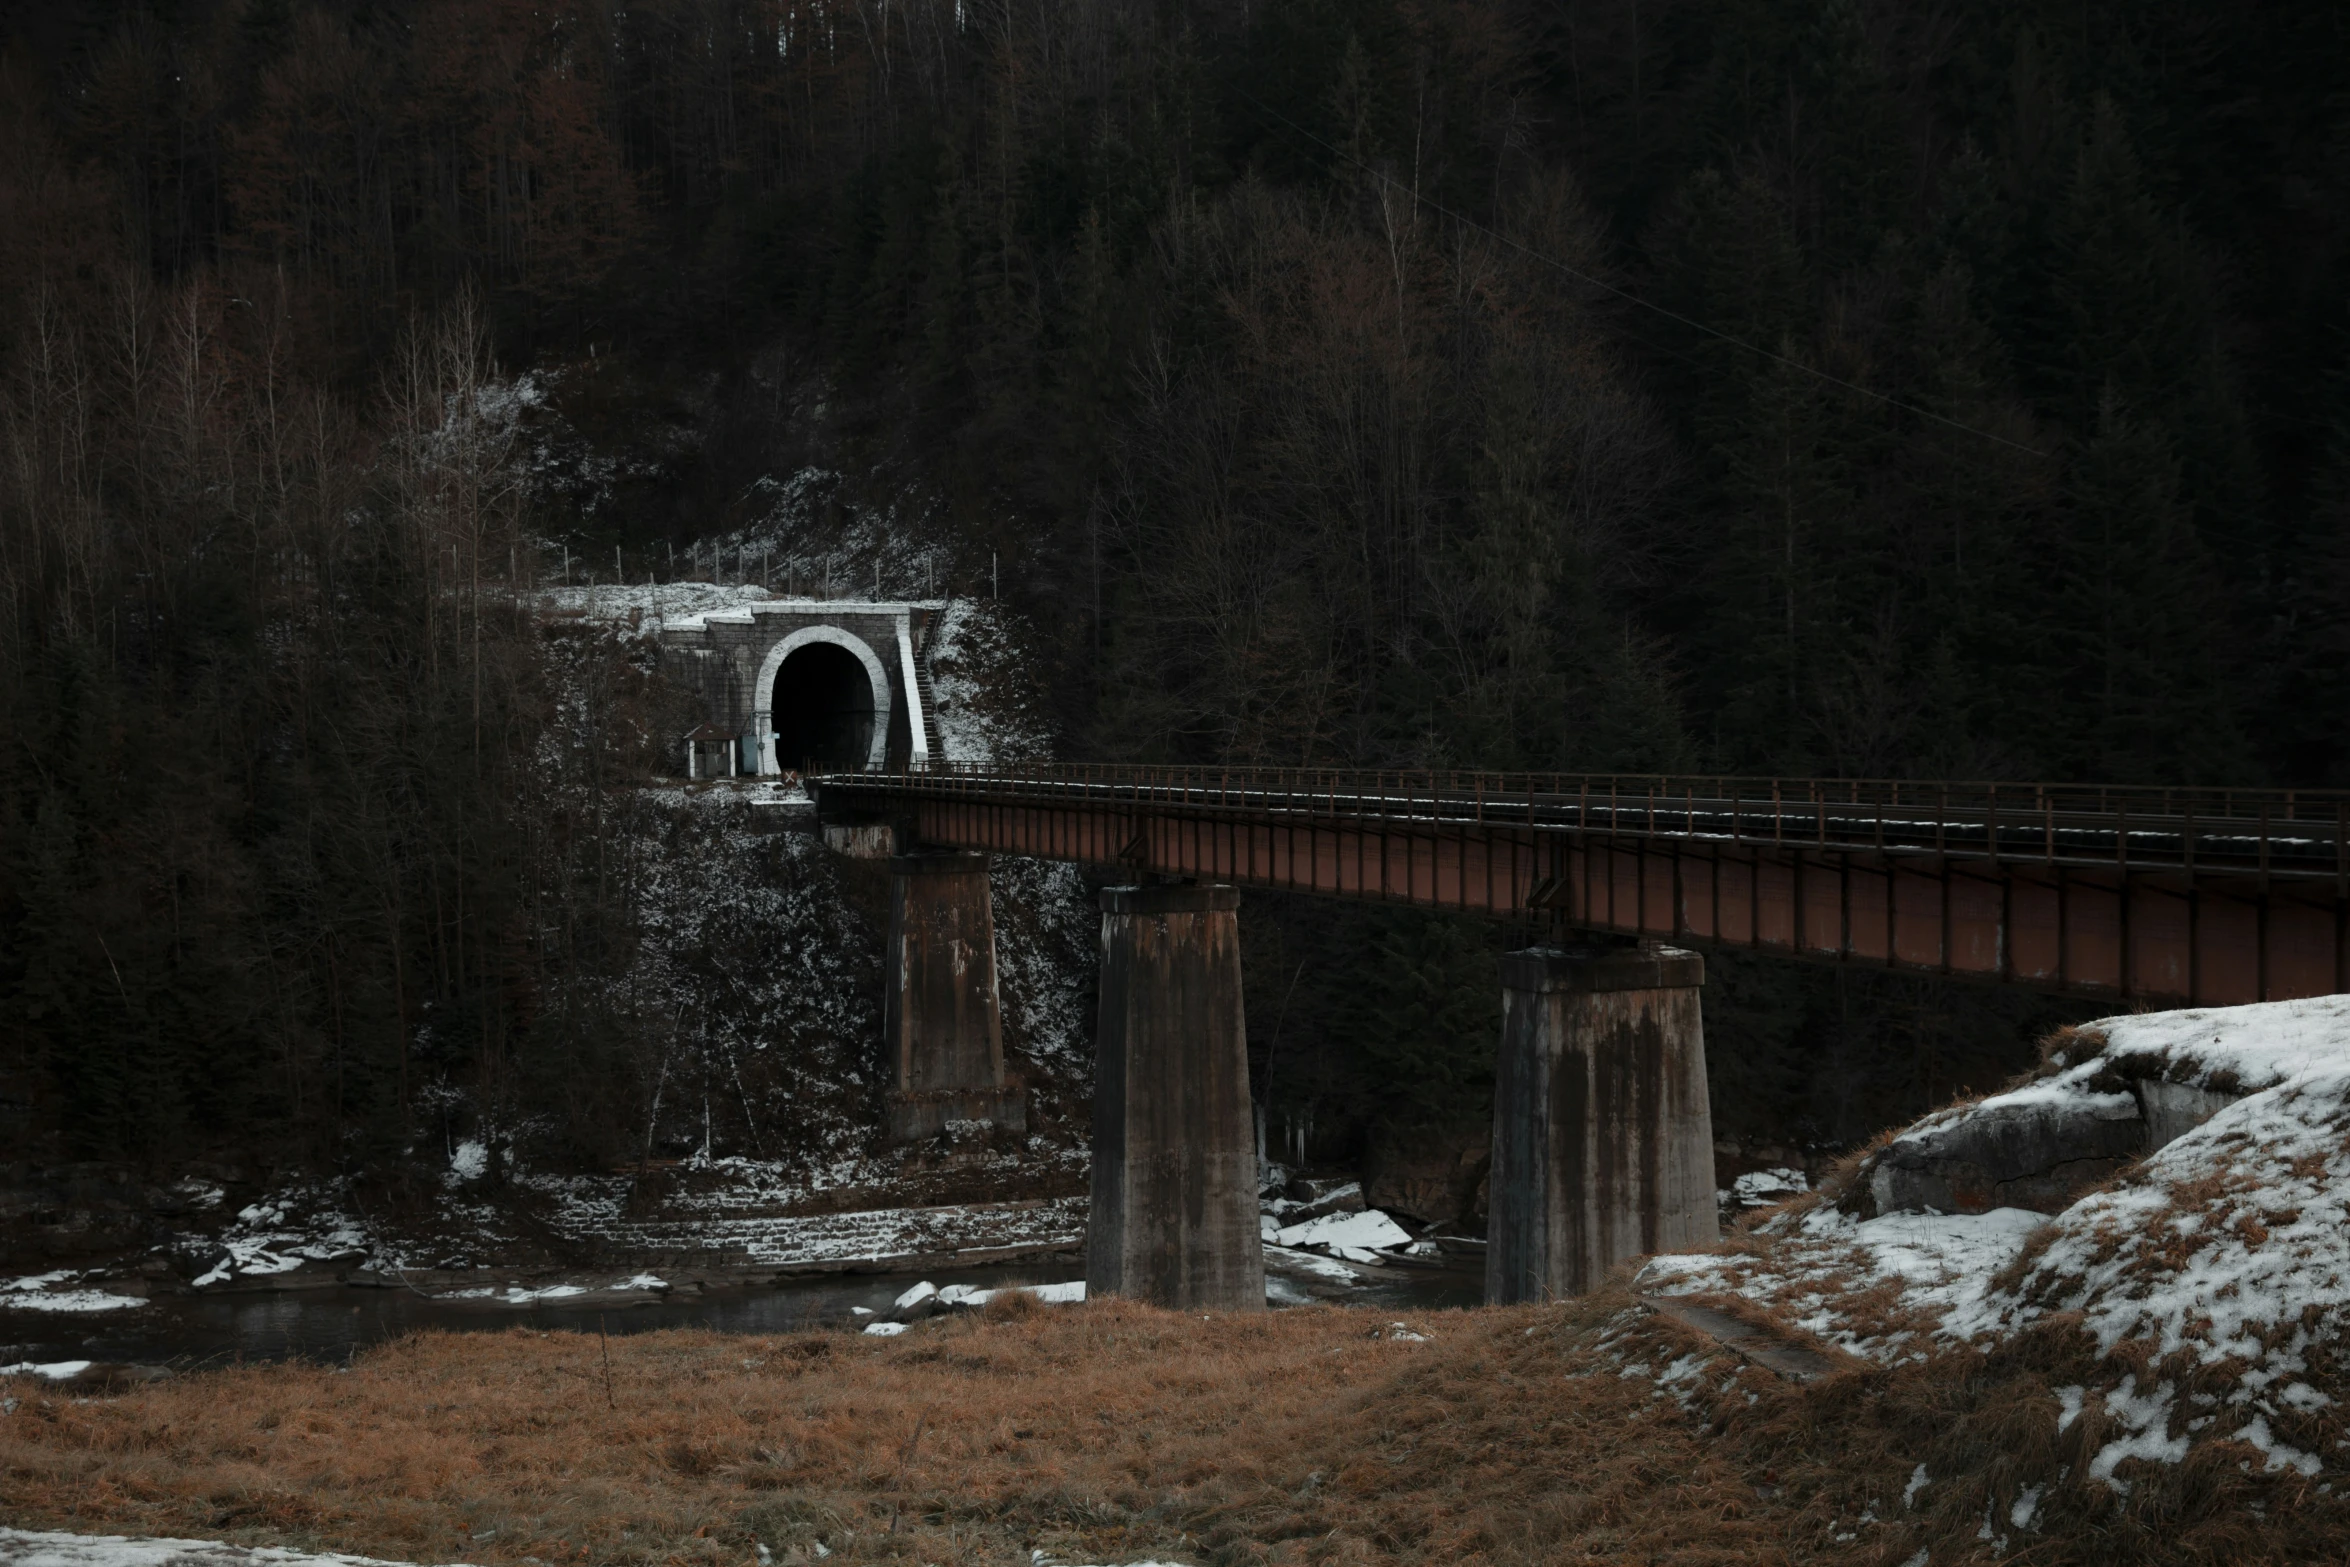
763,694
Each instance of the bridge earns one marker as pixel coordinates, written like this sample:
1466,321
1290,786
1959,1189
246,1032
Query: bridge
1602,1134
2179,896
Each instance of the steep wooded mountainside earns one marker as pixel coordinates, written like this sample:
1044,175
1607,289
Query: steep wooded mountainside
1852,386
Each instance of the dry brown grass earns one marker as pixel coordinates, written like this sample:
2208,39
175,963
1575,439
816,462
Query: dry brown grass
1103,1433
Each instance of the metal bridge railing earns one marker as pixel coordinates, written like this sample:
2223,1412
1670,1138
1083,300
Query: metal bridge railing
2295,834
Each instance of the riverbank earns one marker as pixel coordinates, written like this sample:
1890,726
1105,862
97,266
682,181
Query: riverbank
176,1335
1111,1431
313,1269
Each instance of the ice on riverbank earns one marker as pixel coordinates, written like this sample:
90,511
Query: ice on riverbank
1357,1237
927,1299
872,1233
53,1292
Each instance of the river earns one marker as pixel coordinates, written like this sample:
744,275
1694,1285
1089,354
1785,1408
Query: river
333,1323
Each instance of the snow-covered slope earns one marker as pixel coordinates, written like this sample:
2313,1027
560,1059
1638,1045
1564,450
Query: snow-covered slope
2208,1280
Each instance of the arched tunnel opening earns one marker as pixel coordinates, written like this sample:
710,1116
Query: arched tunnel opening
822,706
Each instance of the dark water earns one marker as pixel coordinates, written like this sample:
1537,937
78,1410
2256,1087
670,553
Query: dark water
333,1324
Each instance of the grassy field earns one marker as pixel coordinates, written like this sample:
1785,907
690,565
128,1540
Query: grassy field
1111,1432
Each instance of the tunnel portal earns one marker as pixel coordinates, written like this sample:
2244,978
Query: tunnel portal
823,710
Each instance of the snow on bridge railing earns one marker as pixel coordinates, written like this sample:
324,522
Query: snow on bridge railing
2300,834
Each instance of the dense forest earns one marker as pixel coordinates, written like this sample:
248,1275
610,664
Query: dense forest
1858,387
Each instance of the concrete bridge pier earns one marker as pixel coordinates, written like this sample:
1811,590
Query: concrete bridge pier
941,1022
1602,1137
1174,1219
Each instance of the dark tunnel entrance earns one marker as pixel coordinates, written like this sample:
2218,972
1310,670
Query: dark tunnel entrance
823,711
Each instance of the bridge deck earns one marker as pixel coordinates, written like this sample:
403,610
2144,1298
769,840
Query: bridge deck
2174,894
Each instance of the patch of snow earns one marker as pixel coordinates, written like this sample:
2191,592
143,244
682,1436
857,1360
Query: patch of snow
1683,1380
2244,1049
1918,1481
516,1295
1765,1188
37,1281
920,1292
2279,1455
74,1300
49,1548
885,1329
1951,1256
1069,1294
2145,1417
35,1292
54,1370
1943,1264
2300,1395
1356,1236
644,609
468,1162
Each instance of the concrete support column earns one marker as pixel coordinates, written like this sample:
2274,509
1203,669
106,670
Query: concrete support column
1603,1141
940,1019
1174,1218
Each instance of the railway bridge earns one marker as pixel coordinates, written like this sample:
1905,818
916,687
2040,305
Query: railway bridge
1602,1137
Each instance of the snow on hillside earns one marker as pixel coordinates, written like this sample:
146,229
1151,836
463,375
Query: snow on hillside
2222,1051
645,609
2211,1278
982,716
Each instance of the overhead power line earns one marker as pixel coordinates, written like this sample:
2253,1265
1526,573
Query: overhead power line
1433,205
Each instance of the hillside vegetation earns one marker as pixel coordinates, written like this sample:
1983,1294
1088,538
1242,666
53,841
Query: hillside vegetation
1848,386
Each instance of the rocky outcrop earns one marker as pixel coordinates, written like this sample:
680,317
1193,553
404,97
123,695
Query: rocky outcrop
2172,1110
2111,1093
2033,1151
